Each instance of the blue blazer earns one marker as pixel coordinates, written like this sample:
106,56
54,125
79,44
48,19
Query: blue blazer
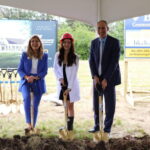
110,60
25,66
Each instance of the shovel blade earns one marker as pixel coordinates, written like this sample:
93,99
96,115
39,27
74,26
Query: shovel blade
63,134
98,136
66,135
32,131
70,135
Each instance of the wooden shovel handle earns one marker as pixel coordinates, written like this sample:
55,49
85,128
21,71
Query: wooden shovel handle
65,109
101,113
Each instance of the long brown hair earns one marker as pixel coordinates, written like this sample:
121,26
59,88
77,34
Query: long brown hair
71,59
30,51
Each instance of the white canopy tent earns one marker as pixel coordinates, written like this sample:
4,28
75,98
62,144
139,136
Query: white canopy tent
88,11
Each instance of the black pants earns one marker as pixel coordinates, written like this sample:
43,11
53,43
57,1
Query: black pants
66,84
110,103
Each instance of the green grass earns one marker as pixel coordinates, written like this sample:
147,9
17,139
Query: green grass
136,132
49,123
118,122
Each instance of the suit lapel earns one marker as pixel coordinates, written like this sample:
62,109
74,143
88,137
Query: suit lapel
40,64
29,63
98,49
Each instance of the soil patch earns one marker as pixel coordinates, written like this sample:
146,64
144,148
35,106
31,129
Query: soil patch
39,143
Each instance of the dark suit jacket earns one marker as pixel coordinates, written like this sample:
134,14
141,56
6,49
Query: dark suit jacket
25,69
110,60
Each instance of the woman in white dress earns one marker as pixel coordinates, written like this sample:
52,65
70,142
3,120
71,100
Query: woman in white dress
66,64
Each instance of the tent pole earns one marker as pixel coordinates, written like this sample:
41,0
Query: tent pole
98,10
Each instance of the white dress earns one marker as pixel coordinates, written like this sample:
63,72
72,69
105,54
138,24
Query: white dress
71,73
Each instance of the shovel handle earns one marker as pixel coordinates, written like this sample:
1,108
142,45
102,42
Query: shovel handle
101,113
1,93
32,109
65,108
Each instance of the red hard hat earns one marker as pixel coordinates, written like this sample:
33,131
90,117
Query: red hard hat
66,36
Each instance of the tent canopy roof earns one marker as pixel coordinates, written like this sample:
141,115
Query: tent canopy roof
88,11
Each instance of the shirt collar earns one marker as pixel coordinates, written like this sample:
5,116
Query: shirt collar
103,39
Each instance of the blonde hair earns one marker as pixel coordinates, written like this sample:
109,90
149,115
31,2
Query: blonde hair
30,51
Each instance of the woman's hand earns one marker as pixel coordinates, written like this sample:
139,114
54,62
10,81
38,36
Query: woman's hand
36,78
67,91
30,79
62,83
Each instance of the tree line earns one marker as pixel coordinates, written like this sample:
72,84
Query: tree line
82,33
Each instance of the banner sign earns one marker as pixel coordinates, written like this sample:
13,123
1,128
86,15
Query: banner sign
137,37
14,37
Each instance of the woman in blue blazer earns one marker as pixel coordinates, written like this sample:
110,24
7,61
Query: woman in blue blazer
32,70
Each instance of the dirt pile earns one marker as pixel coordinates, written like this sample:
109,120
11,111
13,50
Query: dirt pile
40,143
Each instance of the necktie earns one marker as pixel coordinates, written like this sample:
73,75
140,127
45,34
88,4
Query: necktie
100,58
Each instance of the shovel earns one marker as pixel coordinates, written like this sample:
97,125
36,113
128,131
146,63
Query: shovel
63,132
4,71
34,130
16,86
9,73
1,86
98,136
32,108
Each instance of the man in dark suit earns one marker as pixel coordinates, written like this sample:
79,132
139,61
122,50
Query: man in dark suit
104,66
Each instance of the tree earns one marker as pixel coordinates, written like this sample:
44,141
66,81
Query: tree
16,13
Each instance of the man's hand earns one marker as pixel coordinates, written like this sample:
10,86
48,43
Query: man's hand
104,84
96,80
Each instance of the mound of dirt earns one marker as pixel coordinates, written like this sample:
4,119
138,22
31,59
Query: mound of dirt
39,143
